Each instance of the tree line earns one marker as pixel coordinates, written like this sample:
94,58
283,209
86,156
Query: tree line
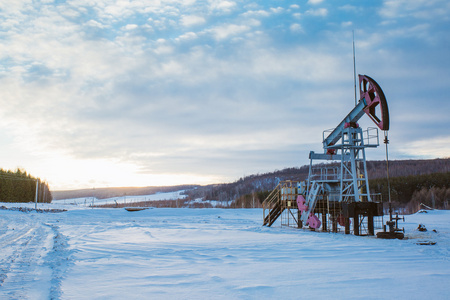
18,186
419,181
409,192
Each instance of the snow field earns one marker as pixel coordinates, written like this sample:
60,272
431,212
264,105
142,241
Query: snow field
221,254
30,257
92,201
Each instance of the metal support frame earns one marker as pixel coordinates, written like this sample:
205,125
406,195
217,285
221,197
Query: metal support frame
354,183
288,203
350,152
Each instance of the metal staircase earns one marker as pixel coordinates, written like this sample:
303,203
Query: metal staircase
281,203
311,200
273,215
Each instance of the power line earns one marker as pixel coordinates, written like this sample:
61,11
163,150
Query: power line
16,178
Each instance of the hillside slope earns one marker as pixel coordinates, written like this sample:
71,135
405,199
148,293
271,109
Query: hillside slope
268,181
261,183
103,193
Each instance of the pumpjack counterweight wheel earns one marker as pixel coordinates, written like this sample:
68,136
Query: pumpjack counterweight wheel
374,96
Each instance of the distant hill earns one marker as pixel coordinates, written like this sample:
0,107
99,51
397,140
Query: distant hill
261,183
268,181
399,168
103,193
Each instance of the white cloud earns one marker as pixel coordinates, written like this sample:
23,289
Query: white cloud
319,12
187,36
421,9
222,5
13,7
418,31
253,22
256,13
349,8
314,2
277,10
300,63
296,28
71,13
347,24
429,148
228,30
191,20
94,23
163,47
130,26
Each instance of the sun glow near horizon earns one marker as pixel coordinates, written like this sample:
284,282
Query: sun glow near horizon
69,174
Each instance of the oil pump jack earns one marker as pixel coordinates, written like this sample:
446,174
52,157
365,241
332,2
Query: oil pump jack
339,191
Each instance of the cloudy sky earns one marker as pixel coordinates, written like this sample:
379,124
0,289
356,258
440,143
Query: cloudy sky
162,92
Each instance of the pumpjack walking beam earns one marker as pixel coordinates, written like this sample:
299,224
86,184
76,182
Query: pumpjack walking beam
346,143
347,138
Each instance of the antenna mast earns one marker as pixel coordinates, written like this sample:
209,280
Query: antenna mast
354,64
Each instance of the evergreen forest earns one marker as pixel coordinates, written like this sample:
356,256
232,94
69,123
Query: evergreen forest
412,183
18,186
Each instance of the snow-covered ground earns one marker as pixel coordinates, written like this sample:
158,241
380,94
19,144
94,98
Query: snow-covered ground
92,201
183,253
213,203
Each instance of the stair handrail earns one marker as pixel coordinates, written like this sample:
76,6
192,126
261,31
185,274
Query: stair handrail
271,199
273,195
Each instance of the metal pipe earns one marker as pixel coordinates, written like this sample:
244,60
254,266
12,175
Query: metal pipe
386,142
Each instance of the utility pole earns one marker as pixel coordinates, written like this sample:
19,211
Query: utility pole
36,195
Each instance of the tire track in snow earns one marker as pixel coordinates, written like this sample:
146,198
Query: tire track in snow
14,237
58,260
26,243
33,259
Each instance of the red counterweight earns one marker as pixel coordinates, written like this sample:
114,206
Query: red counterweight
376,105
